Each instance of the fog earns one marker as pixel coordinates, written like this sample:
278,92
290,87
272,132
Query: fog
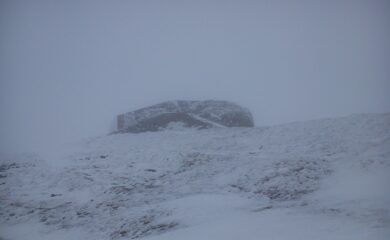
68,67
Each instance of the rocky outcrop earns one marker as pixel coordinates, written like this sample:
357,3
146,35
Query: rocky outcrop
195,114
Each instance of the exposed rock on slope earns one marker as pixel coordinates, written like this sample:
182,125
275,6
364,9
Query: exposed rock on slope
197,114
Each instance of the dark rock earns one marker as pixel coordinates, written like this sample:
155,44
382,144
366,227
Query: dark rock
195,114
5,167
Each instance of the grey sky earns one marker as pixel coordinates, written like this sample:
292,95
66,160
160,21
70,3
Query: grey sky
68,67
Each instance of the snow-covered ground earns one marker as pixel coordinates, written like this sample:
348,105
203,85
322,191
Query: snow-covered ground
320,179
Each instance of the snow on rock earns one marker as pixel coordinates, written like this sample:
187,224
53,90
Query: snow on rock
306,178
197,114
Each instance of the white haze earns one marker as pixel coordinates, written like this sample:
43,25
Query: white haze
68,67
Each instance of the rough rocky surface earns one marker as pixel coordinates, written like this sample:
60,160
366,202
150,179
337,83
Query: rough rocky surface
194,114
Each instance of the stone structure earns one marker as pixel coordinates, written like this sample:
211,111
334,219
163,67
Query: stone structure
196,114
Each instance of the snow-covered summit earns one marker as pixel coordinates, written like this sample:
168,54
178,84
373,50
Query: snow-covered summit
199,114
320,179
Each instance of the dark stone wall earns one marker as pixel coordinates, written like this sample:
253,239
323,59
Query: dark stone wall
162,121
195,114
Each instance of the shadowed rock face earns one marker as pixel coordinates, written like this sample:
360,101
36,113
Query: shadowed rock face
195,114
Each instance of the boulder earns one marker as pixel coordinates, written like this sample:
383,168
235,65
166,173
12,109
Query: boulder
194,114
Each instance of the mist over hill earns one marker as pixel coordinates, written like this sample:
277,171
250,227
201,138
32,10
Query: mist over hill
215,137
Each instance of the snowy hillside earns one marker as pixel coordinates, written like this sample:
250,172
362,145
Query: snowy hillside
320,179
